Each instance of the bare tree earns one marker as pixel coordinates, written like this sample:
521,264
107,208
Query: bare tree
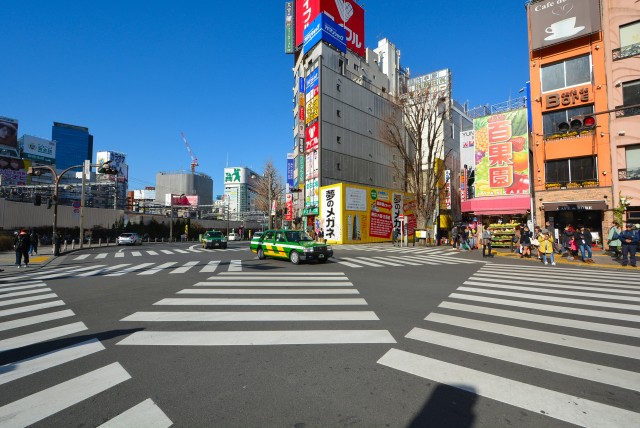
416,130
270,187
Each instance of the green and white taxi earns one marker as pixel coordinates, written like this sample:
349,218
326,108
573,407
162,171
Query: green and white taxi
295,245
213,239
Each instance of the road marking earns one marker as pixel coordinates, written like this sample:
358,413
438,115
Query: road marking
305,278
260,302
272,284
552,298
543,282
21,283
575,410
185,267
136,253
284,274
40,405
211,266
181,251
565,366
101,270
549,308
36,319
131,269
157,268
235,266
71,272
23,293
559,271
380,260
266,291
145,414
404,260
12,371
254,316
346,263
119,254
543,319
28,299
152,253
41,336
540,336
30,308
552,291
82,257
101,256
167,251
234,338
364,262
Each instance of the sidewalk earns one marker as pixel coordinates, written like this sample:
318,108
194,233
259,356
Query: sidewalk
8,259
601,259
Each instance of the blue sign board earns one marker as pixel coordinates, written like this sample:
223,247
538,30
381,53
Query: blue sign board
301,84
325,29
312,81
290,168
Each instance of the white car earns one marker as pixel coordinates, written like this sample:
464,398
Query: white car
233,237
129,239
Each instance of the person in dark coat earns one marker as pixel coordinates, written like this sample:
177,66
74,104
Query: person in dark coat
21,245
34,243
584,239
568,233
630,240
525,241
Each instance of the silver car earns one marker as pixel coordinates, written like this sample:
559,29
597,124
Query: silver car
129,239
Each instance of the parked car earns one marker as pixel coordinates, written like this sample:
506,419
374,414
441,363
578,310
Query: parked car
129,239
295,245
233,237
213,239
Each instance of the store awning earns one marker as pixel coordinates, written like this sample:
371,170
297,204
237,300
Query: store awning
575,206
497,205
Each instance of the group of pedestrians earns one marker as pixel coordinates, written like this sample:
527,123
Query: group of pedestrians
464,238
625,242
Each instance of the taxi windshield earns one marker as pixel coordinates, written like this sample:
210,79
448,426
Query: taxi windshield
213,234
298,236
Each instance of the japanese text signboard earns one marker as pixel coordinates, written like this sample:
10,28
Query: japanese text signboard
502,154
346,14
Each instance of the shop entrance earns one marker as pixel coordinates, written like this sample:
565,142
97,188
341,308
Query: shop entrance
591,220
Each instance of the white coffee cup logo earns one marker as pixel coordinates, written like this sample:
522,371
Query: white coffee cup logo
562,28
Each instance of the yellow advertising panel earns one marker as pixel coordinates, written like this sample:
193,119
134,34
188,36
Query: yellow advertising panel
352,214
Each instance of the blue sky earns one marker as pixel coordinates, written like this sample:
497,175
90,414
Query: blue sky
138,73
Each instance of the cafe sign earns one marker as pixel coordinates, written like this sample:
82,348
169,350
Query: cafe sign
567,98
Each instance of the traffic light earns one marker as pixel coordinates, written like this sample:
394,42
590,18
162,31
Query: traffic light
578,124
38,200
34,171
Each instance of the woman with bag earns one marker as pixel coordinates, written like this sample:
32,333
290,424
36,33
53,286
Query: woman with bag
614,243
525,240
486,241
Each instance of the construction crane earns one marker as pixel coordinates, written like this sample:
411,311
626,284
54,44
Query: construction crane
194,159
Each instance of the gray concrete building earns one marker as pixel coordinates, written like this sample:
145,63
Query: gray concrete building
184,183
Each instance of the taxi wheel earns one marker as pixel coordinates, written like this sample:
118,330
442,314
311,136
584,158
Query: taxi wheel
261,254
295,257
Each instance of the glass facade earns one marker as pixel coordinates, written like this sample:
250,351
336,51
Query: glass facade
74,144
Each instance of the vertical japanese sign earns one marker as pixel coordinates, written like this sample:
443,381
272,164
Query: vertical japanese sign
311,97
290,168
397,210
289,202
331,212
289,27
502,154
447,189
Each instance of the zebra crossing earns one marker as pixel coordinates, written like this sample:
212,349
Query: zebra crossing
400,256
121,269
24,323
143,253
520,305
315,296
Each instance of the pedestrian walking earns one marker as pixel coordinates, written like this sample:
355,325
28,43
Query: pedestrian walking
454,237
35,239
395,235
21,245
486,241
585,240
546,248
629,239
614,244
535,242
525,241
568,233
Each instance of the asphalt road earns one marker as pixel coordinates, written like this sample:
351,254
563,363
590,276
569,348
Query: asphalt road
173,334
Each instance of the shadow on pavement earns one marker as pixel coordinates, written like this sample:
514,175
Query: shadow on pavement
448,406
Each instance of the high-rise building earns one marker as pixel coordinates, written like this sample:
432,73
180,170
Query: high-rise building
184,183
73,144
572,171
621,28
240,192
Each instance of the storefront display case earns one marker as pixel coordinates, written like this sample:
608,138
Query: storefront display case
503,234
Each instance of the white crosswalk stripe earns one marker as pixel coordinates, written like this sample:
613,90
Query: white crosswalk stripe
57,398
514,315
408,259
184,268
266,289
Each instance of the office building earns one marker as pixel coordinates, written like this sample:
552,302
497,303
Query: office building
73,144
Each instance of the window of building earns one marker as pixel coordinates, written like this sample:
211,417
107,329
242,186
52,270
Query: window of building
572,72
631,93
356,67
338,113
338,87
632,154
338,140
630,34
572,170
551,120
